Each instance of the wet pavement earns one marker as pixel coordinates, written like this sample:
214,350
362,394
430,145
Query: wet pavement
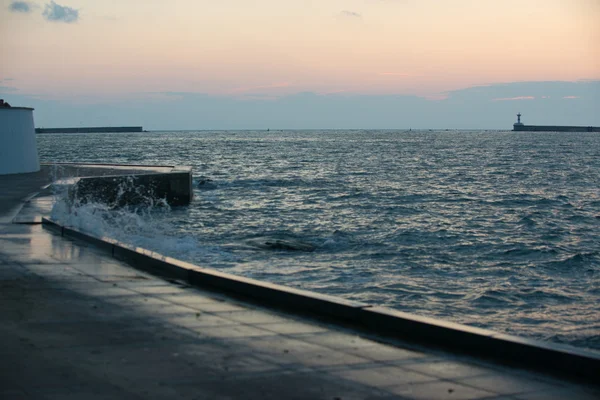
79,324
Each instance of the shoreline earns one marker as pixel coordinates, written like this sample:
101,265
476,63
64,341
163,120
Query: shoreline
499,358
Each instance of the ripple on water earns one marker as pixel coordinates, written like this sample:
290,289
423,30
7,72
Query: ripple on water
491,229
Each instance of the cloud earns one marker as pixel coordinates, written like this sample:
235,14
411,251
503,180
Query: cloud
20,6
570,97
515,98
468,108
57,13
350,14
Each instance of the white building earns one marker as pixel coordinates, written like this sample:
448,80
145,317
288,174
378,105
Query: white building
18,148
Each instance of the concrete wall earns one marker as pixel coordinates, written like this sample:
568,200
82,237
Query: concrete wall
175,187
18,148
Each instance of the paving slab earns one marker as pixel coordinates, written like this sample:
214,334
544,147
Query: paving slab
79,324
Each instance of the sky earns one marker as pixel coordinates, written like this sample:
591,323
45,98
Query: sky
239,64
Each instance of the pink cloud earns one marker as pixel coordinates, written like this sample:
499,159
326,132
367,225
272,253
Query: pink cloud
570,97
515,98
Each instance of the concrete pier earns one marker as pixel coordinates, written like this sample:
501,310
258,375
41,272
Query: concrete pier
92,129
174,186
30,193
521,127
554,128
79,323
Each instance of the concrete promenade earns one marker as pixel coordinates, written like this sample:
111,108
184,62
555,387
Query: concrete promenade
76,323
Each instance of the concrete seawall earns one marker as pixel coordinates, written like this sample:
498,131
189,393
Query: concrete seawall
111,183
91,129
554,128
174,187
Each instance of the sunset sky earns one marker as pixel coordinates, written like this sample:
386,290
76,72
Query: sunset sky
86,52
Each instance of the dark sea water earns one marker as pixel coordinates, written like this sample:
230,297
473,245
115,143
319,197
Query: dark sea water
493,229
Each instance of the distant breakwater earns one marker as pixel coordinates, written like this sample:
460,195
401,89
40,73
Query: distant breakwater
554,128
92,129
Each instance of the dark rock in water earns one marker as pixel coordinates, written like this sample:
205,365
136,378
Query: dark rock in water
289,245
206,183
282,244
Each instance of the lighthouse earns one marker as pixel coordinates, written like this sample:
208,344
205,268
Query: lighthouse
518,124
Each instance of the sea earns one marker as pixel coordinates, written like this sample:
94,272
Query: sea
494,229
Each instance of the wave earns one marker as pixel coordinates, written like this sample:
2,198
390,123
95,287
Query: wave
146,225
576,261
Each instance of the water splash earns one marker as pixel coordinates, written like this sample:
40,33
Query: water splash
144,225
87,213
